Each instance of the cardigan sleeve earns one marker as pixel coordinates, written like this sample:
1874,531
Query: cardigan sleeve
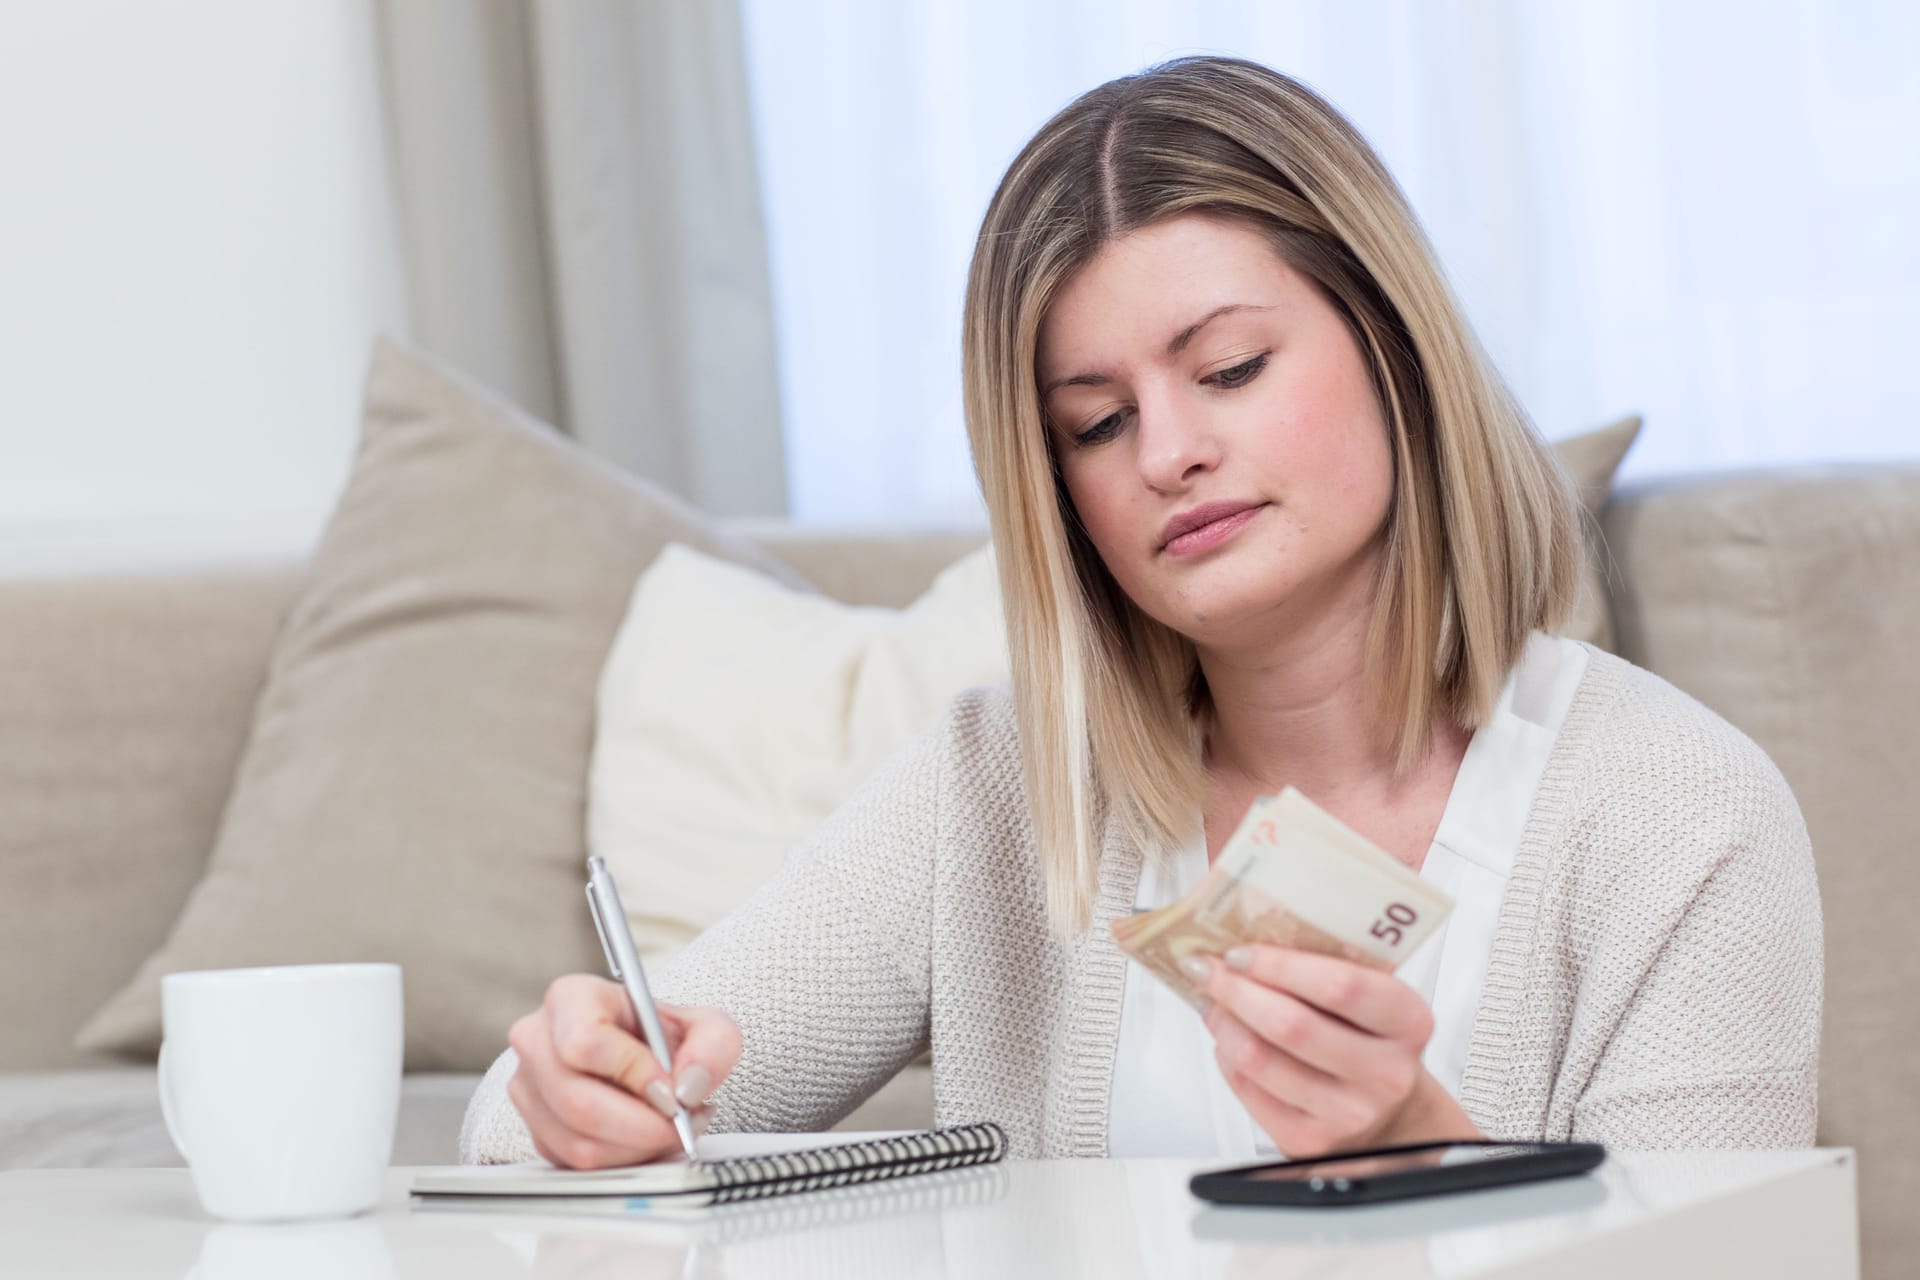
1719,1045
825,968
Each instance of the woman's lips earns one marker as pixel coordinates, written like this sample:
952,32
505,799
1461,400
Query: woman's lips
1209,536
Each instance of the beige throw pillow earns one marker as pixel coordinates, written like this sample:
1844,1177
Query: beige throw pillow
1590,460
414,789
736,715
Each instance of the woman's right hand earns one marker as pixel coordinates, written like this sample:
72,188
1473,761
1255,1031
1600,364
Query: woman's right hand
591,1092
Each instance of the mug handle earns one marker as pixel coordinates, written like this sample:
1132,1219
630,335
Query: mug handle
166,1105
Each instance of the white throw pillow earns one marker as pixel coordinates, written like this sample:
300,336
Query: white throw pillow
736,713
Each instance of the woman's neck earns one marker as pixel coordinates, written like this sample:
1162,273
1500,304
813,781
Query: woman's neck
1302,714
1305,715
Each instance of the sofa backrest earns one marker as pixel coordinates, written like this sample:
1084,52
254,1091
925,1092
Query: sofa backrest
1789,602
125,703
871,565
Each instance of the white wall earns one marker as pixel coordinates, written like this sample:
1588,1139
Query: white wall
196,248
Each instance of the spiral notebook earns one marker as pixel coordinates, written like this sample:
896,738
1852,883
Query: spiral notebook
709,1181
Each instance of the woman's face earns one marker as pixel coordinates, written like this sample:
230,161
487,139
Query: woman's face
1190,375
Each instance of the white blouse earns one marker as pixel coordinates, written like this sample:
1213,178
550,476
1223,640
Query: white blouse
1169,1098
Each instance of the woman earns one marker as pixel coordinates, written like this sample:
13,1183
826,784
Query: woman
1265,515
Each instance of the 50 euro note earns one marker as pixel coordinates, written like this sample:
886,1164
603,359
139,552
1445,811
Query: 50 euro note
1292,875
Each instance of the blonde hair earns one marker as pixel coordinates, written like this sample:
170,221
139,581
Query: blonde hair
1482,539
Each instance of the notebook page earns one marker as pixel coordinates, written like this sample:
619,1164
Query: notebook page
731,1146
535,1176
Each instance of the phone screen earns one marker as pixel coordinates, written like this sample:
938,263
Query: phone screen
1352,1167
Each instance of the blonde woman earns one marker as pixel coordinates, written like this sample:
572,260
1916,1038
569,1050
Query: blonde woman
1264,515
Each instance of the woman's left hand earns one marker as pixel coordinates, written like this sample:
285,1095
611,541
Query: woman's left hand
1324,1053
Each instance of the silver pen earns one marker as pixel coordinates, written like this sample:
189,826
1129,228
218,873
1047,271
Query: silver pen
623,958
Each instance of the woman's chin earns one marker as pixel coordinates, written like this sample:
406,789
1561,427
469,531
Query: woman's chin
1226,620
1254,604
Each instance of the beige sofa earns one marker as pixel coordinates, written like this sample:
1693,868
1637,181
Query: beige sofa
1785,600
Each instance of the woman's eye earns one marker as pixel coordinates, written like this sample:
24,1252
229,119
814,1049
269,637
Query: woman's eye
1099,431
1227,379
1240,374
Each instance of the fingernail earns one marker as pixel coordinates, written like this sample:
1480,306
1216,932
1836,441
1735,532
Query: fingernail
662,1098
1240,958
1204,1005
1196,967
691,1088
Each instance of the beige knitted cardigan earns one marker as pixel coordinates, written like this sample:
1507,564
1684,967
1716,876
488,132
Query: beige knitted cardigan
1655,978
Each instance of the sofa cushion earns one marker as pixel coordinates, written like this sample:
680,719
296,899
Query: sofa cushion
414,786
735,714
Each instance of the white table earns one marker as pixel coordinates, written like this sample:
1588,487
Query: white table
1644,1215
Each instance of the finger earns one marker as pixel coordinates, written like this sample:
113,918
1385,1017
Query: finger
608,1114
1293,1130
535,1118
1240,1051
1375,1066
1368,998
554,1140
594,1033
587,1121
1288,1023
588,996
706,1055
1297,1133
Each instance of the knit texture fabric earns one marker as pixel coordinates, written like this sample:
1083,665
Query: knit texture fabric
1655,979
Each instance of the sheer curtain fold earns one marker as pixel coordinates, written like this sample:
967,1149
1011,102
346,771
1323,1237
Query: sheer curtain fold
581,212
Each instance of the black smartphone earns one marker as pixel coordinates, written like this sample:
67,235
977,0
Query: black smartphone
1396,1173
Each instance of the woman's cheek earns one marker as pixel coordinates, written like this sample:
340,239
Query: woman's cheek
1107,524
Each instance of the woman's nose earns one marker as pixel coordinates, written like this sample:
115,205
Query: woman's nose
1176,443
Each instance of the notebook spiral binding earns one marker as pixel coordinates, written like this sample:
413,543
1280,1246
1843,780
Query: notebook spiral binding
754,1177
750,1220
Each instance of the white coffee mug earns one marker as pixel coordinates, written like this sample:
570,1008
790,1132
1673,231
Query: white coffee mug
281,1086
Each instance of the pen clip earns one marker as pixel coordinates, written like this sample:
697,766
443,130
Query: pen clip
599,927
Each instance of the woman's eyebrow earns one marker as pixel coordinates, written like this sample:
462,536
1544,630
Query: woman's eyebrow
1175,345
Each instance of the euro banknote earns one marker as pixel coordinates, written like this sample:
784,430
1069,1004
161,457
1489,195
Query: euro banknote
1293,875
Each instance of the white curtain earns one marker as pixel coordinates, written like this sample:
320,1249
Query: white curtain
577,186
1700,210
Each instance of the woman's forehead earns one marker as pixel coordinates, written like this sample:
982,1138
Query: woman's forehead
1144,295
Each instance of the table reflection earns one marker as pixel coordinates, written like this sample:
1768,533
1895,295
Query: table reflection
1497,1208
1433,1235
890,1227
337,1250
